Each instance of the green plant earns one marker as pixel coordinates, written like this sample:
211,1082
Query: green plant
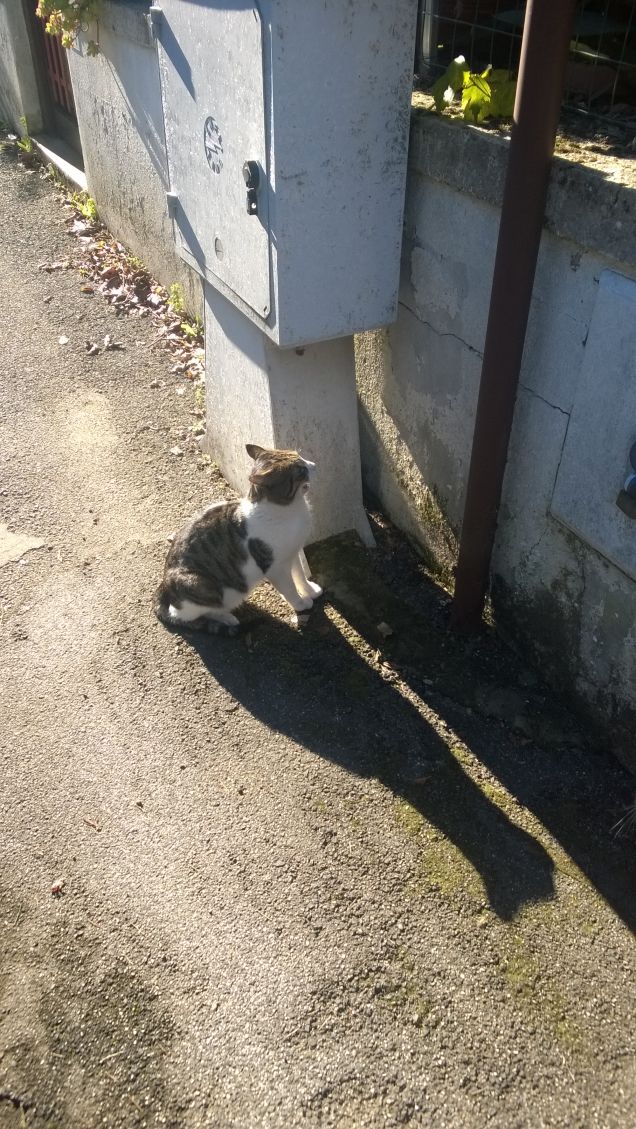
85,205
25,145
67,18
176,298
490,94
50,172
192,329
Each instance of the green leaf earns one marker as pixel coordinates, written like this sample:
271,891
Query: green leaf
478,82
502,102
446,87
498,76
457,72
437,90
476,98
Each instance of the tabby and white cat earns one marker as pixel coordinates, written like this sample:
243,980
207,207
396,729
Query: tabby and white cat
220,556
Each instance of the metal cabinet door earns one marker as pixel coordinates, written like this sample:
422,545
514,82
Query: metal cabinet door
211,64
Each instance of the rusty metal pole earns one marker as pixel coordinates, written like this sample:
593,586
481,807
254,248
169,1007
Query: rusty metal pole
546,35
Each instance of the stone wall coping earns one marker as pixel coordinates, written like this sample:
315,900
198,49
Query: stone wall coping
583,205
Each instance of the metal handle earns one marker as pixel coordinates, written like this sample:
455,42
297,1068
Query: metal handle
252,178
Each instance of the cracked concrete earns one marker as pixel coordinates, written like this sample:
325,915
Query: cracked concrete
543,399
440,333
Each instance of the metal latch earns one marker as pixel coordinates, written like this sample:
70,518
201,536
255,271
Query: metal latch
252,178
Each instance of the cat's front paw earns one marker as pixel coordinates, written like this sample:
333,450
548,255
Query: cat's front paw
303,604
315,589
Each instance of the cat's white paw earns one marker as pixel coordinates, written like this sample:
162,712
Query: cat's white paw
303,604
315,589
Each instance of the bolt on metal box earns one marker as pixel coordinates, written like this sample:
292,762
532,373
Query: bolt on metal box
287,137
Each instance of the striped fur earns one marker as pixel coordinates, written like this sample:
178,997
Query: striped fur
224,552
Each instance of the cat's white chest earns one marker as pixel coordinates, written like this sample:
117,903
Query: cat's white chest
284,529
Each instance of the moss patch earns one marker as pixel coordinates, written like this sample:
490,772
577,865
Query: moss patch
536,993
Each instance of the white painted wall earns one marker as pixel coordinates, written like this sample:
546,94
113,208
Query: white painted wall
118,103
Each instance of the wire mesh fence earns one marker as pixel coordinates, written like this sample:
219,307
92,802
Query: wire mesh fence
600,79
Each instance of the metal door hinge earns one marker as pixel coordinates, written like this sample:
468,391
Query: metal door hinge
156,20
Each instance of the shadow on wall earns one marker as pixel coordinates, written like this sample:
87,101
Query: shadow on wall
324,689
391,473
146,114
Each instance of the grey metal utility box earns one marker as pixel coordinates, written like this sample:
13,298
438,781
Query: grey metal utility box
287,137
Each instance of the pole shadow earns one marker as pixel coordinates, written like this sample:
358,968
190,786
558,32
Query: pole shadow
314,687
340,702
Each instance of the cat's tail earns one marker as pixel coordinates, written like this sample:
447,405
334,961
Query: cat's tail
164,597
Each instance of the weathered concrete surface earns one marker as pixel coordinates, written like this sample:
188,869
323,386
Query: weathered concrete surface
118,102
595,459
19,95
312,878
418,388
304,399
593,206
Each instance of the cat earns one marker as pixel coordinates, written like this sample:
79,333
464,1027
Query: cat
229,548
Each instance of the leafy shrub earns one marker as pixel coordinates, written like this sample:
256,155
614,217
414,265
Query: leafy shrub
487,95
67,18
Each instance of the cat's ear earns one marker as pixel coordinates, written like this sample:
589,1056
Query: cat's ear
254,450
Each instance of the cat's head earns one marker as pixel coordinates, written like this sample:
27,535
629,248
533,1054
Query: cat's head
278,476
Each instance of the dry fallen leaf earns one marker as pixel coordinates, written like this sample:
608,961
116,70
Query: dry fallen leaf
64,264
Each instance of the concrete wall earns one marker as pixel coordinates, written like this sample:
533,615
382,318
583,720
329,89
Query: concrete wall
19,95
563,586
120,118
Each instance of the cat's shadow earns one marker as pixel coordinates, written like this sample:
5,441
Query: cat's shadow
316,687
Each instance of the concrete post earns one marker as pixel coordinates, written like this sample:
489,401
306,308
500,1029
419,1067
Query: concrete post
300,398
